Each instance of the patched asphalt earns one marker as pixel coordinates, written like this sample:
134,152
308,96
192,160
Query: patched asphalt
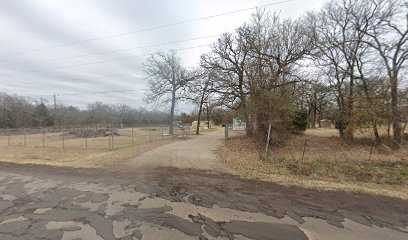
38,202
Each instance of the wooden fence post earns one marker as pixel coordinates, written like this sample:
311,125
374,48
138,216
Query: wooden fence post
113,146
133,142
371,150
110,141
63,139
304,149
25,137
267,140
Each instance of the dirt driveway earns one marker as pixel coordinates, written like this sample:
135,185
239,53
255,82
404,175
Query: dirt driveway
195,152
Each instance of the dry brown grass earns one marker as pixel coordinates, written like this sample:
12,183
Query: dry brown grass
325,144
76,158
328,163
59,140
70,151
75,154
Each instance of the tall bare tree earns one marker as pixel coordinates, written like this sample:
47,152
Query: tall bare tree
276,47
227,61
166,81
340,46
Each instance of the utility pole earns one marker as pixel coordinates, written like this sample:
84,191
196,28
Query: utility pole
55,110
55,102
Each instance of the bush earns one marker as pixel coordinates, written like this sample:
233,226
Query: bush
340,124
300,122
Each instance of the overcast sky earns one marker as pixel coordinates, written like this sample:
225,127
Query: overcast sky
42,40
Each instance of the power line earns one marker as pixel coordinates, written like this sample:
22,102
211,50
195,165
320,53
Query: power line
145,29
120,50
100,76
104,61
89,92
99,92
95,92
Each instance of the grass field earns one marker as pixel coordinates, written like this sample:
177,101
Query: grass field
60,149
67,150
327,163
67,140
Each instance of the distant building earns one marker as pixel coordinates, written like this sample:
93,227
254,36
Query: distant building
325,123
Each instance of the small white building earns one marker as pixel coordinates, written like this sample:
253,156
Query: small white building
325,123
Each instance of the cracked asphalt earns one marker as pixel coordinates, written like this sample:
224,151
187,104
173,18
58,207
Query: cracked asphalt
40,202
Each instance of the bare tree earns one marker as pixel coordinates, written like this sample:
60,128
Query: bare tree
227,61
341,54
15,111
166,81
254,68
276,47
199,90
387,34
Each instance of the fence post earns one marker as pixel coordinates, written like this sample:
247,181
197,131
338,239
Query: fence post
25,137
371,150
43,138
226,131
267,140
86,141
63,139
304,149
110,144
133,142
113,146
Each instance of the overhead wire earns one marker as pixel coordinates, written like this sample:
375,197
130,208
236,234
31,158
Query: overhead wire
126,49
145,29
105,61
119,50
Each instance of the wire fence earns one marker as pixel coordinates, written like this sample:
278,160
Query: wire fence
89,137
231,131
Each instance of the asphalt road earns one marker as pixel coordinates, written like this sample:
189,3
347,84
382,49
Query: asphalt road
38,202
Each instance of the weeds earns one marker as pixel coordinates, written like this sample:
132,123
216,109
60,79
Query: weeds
327,160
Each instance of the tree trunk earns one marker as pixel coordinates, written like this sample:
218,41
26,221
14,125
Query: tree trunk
370,104
376,134
200,109
173,105
389,131
396,121
208,117
314,114
203,97
350,121
341,133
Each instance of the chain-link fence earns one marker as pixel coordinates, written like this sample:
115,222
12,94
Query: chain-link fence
231,131
89,137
